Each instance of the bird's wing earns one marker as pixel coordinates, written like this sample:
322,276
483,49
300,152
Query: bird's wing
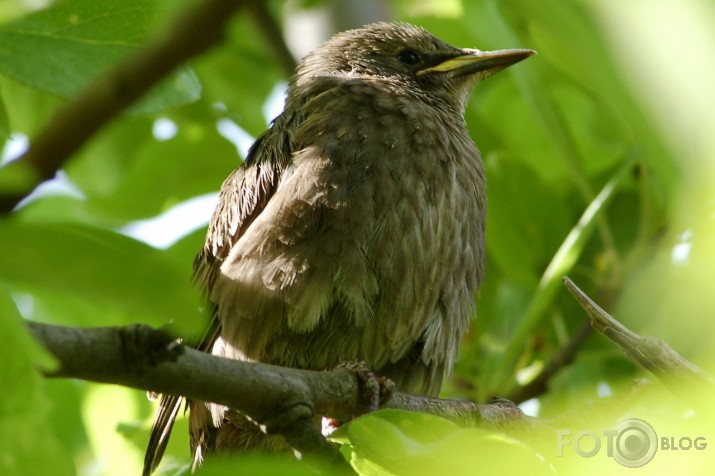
243,196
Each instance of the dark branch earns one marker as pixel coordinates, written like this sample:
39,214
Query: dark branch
560,360
274,35
143,358
676,372
196,30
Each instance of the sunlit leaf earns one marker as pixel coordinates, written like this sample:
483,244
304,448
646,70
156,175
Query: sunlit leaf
60,49
398,442
26,444
131,279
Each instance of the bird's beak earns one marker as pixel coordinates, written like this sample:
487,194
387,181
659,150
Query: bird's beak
483,63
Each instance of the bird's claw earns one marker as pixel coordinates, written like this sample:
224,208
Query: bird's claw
374,390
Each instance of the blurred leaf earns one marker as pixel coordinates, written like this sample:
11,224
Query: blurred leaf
127,277
65,414
422,428
240,75
91,36
596,365
100,167
585,61
399,442
164,173
187,247
564,259
541,218
56,209
438,8
17,176
4,121
500,120
28,108
104,409
125,174
26,445
259,465
20,356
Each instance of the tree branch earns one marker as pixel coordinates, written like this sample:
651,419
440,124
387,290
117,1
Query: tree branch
144,358
274,35
561,359
652,353
193,32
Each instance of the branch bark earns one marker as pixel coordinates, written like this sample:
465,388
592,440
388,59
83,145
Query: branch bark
143,358
287,400
677,373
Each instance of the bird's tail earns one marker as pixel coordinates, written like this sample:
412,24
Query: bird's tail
160,432
169,409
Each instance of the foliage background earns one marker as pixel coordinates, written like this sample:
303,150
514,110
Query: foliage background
620,92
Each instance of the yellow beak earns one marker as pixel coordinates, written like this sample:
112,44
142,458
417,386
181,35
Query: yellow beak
477,61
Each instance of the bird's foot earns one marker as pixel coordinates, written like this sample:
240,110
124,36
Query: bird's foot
374,390
144,347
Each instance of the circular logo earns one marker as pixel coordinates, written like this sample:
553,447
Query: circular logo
635,443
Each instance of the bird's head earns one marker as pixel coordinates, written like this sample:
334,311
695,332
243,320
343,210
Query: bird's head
409,57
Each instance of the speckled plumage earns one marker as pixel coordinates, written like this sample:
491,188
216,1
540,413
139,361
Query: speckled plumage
355,227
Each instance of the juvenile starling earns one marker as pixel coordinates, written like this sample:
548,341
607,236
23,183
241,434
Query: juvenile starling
354,230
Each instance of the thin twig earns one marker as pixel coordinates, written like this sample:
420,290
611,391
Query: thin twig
274,35
676,372
561,359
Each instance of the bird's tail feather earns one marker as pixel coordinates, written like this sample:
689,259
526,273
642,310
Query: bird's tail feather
160,432
169,409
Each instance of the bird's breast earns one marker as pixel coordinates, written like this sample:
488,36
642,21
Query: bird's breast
371,248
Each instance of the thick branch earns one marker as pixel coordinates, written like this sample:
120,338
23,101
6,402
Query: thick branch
143,358
652,353
196,30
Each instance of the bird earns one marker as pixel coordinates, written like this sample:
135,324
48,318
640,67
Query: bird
355,228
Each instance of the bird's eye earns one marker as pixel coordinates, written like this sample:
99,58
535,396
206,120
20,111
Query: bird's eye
408,57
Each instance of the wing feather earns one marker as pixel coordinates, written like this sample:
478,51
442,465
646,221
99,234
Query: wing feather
244,195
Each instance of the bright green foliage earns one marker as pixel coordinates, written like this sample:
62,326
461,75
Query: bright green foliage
61,49
24,406
600,162
119,278
399,442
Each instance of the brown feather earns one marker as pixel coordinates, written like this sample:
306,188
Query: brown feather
355,227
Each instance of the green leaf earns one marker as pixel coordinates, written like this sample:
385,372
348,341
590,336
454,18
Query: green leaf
28,108
257,464
241,75
17,177
60,49
164,173
14,369
100,166
26,444
561,263
4,121
131,281
400,442
541,218
421,427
